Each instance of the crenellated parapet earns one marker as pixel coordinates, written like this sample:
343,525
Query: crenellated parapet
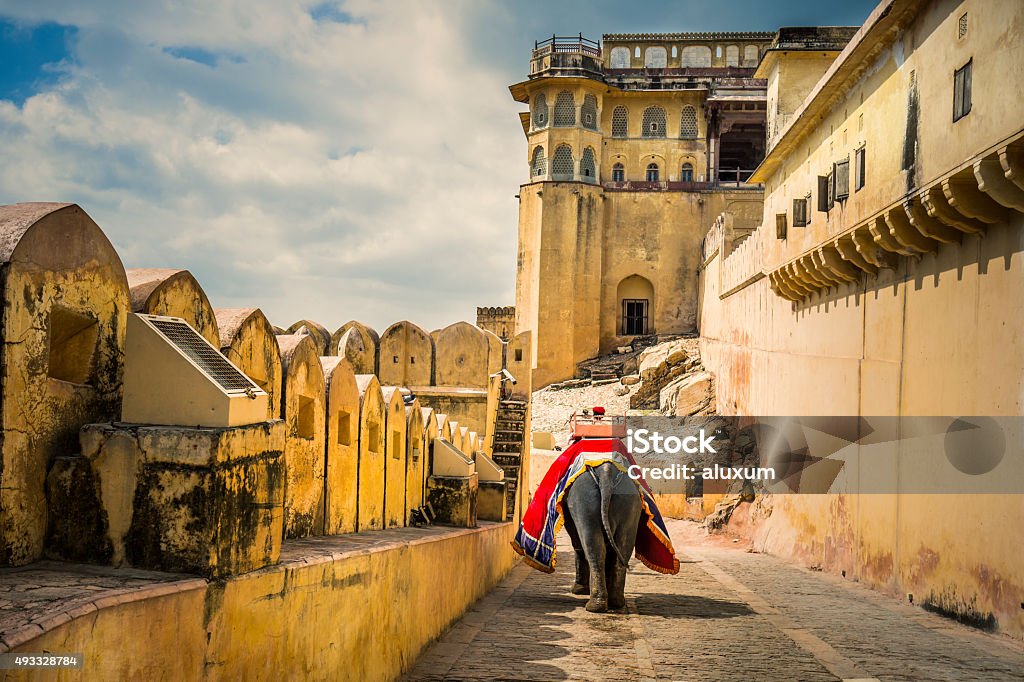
143,427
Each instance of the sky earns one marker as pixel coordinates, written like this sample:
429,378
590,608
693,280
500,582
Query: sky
321,160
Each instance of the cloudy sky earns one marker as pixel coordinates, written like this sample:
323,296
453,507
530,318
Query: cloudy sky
330,160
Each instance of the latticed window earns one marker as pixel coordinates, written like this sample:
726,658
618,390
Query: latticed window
652,172
732,55
655,58
588,113
618,173
620,122
654,122
687,173
540,111
696,55
562,164
565,109
539,164
619,58
688,123
588,168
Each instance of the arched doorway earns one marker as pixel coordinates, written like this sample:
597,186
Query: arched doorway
636,301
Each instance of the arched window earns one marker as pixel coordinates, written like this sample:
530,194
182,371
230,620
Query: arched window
688,123
562,165
540,111
589,112
565,109
696,55
636,52
675,52
619,58
687,174
618,173
750,55
620,122
655,58
652,172
654,122
588,168
539,164
732,55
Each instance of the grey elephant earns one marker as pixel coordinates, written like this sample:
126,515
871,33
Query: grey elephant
602,513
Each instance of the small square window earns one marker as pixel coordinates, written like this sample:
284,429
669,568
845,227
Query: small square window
780,225
519,354
962,91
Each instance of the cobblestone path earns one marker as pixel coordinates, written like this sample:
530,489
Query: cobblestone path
727,615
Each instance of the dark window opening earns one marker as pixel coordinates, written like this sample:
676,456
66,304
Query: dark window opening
73,340
859,173
344,428
780,225
841,178
799,213
962,91
687,173
305,422
519,354
618,173
823,193
634,316
652,172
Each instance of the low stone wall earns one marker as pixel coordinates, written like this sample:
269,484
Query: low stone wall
359,607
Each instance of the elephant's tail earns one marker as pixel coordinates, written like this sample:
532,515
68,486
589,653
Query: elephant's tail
607,482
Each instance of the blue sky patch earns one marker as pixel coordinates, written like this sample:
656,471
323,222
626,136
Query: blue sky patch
330,11
31,57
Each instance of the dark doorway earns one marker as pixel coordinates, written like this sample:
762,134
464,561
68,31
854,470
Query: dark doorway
634,316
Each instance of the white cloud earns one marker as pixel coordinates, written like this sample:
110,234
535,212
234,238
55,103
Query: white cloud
316,169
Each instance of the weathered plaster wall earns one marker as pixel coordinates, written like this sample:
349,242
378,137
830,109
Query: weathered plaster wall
462,356
63,332
937,331
362,353
371,452
175,293
578,242
341,469
406,356
247,339
415,441
327,611
395,460
321,337
303,408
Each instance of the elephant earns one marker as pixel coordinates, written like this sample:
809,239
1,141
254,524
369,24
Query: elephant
602,514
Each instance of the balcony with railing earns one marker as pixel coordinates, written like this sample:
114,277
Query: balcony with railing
566,56
735,178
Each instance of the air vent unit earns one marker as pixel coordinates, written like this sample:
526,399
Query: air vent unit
174,376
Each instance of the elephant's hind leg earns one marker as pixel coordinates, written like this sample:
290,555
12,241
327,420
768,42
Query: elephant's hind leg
616,573
582,584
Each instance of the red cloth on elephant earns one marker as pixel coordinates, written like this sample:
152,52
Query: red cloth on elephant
543,518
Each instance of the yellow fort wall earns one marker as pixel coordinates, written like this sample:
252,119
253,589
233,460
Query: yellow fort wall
340,610
862,313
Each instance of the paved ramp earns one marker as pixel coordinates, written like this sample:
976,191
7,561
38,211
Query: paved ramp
727,615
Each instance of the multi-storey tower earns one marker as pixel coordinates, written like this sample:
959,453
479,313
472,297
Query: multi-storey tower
635,145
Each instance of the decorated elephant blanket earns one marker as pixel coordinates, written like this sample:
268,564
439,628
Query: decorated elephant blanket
543,518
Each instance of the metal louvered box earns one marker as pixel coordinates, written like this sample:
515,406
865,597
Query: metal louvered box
174,376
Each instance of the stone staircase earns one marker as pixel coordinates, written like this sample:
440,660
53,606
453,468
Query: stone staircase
509,441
